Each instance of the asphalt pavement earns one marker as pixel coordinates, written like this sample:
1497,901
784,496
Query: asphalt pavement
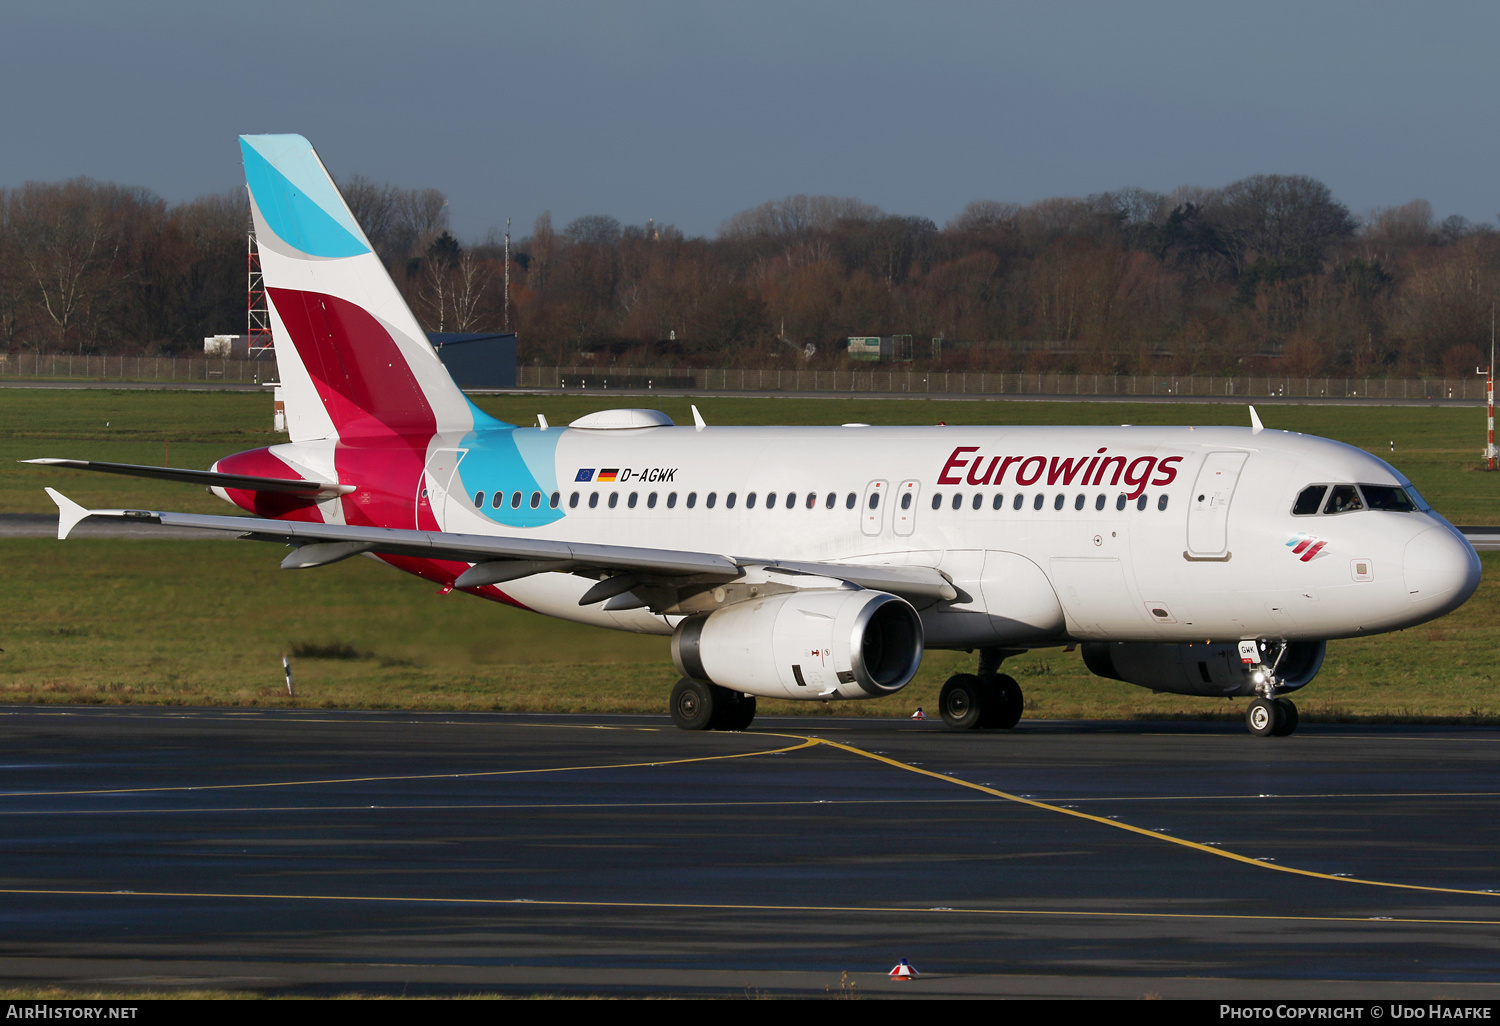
387,852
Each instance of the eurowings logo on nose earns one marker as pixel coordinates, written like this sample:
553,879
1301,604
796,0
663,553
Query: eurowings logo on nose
1306,545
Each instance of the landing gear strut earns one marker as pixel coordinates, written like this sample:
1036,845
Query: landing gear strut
988,699
1270,715
699,705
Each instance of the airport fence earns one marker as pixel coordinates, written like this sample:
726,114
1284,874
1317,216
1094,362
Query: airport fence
73,366
917,382
897,381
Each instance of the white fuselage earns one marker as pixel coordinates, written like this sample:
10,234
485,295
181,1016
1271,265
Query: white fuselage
1205,546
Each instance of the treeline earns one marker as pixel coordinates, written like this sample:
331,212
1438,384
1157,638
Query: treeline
1270,273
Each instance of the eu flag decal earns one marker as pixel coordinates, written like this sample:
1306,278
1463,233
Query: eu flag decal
585,475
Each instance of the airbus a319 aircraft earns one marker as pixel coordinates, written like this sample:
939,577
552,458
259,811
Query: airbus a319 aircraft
811,563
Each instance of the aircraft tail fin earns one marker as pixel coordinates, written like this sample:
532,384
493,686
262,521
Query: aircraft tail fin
354,362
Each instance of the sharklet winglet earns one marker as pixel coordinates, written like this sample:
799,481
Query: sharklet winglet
69,513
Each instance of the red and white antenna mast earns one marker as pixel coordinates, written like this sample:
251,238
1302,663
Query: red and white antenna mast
257,317
1489,397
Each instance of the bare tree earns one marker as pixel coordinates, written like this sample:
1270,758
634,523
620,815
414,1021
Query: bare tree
795,217
470,277
1286,219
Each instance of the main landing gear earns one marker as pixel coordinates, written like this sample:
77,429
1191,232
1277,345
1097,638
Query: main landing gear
988,699
699,705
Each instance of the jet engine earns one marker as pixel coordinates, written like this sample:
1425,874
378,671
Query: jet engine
816,644
1200,669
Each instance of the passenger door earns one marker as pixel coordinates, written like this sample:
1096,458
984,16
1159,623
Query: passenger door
432,494
1208,506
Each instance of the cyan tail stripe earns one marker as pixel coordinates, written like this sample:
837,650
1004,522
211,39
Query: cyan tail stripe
296,197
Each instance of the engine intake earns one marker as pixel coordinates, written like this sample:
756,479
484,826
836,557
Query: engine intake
805,645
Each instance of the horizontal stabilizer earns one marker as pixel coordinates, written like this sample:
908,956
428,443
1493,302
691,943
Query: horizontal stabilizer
69,513
208,478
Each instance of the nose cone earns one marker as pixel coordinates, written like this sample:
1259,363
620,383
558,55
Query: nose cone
1441,570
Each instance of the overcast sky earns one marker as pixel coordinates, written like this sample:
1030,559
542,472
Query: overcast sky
688,112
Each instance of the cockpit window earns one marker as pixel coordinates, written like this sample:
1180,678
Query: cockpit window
1345,499
1309,501
1387,497
1416,497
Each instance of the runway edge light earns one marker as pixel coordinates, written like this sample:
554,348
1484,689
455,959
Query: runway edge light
904,971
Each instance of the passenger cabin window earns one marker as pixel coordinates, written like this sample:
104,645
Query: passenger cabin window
478,500
750,501
1309,501
1120,502
874,500
712,498
1387,497
614,499
497,500
1078,502
536,500
1099,501
671,500
515,500
651,501
937,500
850,500
1343,499
999,500
812,500
1140,503
1057,503
1161,503
554,500
729,500
791,500
1039,501
829,502
573,501
958,501
1020,501
770,500
978,501
631,501
692,499
593,499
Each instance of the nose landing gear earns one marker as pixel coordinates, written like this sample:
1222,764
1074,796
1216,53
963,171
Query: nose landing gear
1270,715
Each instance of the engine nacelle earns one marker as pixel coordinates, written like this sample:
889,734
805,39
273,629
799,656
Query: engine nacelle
1198,669
805,644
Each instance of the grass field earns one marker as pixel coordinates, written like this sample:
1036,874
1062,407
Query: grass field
206,622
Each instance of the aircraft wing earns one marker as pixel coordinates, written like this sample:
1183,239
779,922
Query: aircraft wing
499,558
208,478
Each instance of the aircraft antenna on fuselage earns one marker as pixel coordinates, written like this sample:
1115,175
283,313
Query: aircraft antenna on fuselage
1256,427
698,421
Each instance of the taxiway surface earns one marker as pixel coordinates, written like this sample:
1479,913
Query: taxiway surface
327,852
